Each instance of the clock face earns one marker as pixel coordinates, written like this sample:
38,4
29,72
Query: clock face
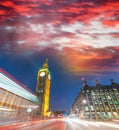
49,76
40,91
42,74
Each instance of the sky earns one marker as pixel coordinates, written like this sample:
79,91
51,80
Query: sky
80,38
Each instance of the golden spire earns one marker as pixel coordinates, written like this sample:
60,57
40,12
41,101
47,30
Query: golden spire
45,65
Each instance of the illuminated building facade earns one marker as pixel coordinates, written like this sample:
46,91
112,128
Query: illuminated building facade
43,89
16,100
98,102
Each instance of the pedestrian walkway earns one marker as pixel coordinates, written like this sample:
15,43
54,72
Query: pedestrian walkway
8,122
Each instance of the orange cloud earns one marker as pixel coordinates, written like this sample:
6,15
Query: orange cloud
111,22
89,61
2,12
7,3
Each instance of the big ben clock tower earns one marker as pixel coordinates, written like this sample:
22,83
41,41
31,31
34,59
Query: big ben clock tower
43,88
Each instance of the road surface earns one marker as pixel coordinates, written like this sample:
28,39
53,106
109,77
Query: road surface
62,124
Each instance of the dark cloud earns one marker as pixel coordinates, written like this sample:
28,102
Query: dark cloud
34,25
51,11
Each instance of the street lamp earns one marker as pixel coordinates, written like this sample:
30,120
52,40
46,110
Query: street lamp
84,101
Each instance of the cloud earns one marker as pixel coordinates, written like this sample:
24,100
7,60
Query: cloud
85,33
91,60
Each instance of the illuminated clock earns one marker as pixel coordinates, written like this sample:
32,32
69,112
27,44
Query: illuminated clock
42,74
49,76
40,91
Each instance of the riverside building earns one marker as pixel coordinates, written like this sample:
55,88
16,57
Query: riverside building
100,102
16,100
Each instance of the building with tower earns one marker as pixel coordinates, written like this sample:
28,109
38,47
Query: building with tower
43,89
99,102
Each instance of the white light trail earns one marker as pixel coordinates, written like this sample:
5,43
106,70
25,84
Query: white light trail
109,124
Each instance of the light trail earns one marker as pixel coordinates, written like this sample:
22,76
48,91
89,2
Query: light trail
109,124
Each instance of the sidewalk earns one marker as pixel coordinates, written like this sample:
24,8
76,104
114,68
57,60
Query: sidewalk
9,122
116,121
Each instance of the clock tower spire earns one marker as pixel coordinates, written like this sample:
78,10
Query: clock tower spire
43,88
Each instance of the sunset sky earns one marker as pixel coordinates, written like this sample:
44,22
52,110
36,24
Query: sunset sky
80,38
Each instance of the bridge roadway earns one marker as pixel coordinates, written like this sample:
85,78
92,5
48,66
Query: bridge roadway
61,124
